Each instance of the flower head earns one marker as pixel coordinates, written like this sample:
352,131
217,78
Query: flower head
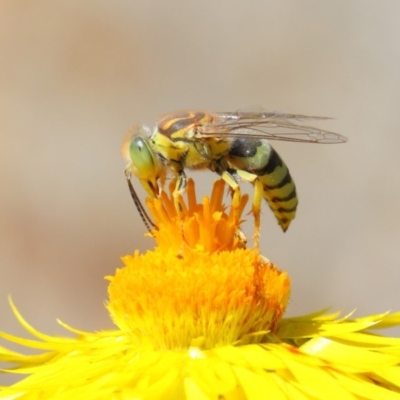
200,285
200,317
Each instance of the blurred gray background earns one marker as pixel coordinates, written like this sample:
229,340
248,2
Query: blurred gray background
75,75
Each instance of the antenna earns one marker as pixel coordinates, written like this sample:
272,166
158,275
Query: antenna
142,212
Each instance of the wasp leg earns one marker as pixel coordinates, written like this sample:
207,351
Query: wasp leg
181,183
180,188
230,179
234,185
257,199
237,205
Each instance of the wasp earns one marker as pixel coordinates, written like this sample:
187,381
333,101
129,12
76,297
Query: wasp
235,145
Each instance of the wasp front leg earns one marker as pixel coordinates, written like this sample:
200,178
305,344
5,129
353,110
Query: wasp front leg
180,188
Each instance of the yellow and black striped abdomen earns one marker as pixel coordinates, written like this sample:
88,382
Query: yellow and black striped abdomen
259,158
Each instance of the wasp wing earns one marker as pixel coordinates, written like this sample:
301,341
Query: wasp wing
271,126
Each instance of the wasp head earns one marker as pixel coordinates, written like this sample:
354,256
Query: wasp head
141,159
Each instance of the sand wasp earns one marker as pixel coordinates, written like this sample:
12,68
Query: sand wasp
235,145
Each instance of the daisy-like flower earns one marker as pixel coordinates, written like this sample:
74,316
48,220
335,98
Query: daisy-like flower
200,317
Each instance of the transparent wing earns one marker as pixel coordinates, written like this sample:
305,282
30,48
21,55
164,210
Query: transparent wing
271,126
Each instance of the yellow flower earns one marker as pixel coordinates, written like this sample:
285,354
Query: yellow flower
200,317
200,285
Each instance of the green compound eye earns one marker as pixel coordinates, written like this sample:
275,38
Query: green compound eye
142,157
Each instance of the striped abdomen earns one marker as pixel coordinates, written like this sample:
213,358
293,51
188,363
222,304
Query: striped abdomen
259,158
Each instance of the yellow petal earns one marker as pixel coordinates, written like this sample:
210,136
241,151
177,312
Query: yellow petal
337,353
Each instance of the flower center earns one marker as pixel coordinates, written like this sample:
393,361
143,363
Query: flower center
200,286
